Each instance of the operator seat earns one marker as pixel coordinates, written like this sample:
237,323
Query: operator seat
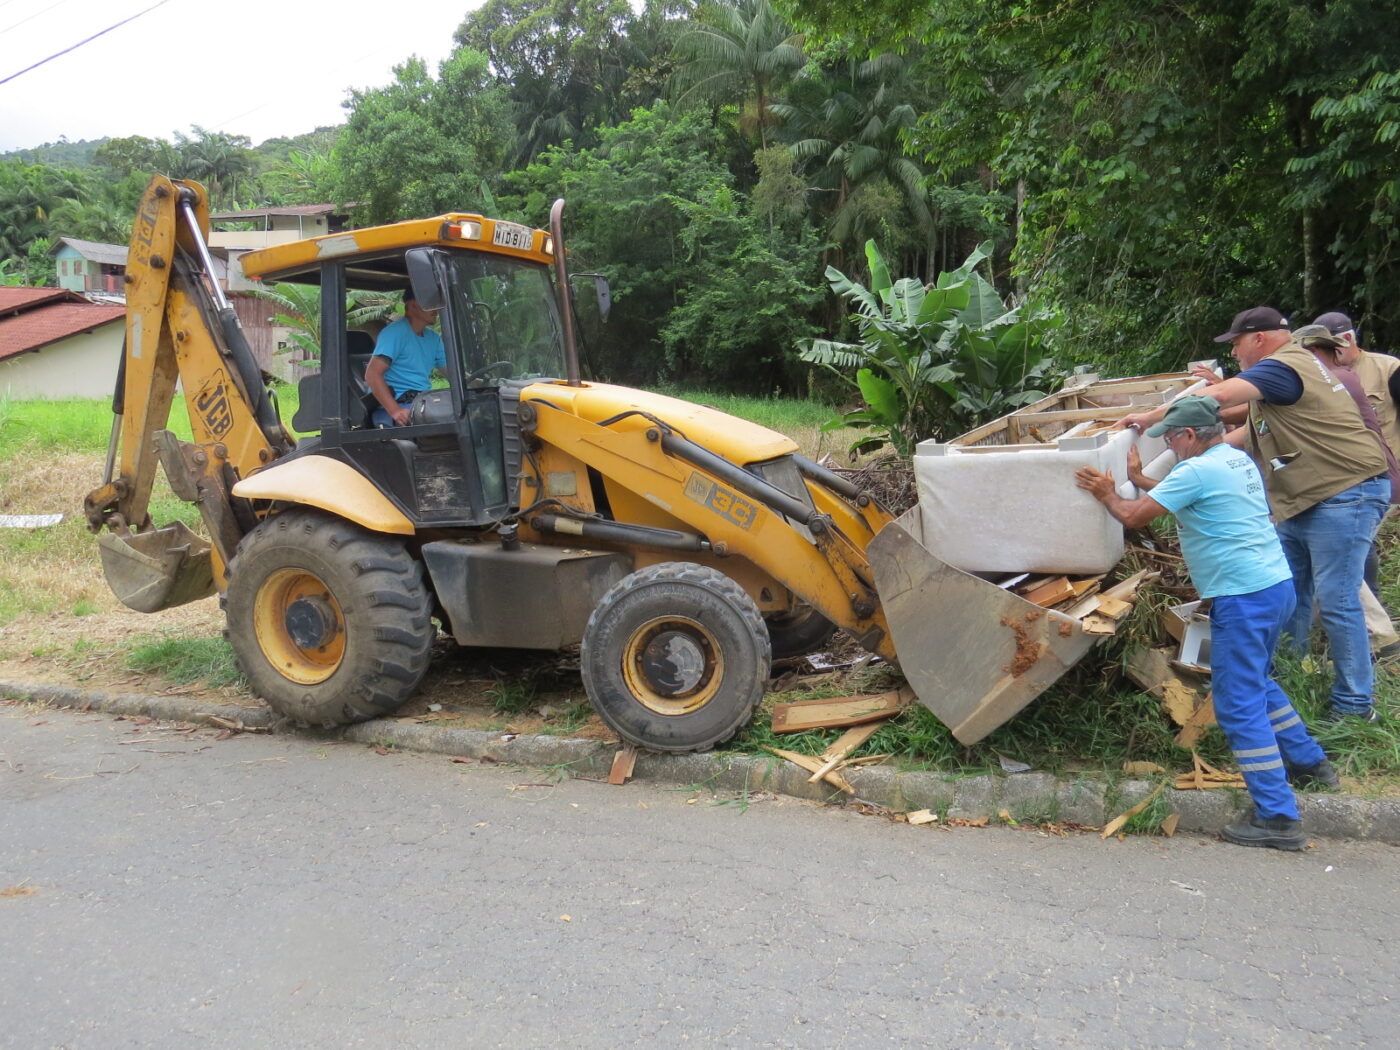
359,401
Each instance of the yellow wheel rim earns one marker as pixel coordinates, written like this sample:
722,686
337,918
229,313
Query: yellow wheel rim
299,626
673,665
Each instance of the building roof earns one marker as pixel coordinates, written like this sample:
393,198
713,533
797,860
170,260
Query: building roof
96,251
32,318
14,299
263,213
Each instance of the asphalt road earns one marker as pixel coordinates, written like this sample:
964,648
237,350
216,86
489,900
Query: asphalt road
163,889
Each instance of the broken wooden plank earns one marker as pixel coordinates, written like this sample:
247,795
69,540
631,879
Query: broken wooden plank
1083,607
1046,595
811,764
838,712
1113,608
1152,669
1126,589
1088,585
1096,624
1116,824
1195,727
841,749
864,760
622,765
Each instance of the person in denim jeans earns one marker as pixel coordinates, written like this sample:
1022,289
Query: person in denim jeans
1324,473
1233,554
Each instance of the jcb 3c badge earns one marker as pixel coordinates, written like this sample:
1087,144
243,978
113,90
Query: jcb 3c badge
727,504
212,405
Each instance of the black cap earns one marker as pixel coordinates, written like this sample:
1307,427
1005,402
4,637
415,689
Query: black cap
1257,319
1335,322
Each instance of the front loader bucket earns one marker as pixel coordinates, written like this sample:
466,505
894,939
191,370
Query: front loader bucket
973,653
156,570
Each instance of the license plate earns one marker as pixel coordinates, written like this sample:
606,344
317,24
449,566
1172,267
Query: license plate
509,235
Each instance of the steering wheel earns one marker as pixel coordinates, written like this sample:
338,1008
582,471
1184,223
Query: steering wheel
506,368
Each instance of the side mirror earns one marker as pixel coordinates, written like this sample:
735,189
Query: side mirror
600,287
422,274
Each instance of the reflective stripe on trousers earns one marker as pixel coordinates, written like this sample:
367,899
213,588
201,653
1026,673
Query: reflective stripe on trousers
1256,715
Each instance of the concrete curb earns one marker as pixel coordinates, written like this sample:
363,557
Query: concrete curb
1027,797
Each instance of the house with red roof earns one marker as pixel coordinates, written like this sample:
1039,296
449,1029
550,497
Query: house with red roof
54,343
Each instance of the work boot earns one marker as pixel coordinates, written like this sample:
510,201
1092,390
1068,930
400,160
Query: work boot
1387,655
1274,832
1321,777
1369,716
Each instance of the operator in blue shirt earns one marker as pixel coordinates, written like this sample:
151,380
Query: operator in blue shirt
1233,553
405,355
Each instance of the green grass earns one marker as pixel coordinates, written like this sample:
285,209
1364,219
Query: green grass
85,424
799,418
512,697
186,660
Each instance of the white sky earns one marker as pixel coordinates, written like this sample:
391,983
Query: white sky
261,68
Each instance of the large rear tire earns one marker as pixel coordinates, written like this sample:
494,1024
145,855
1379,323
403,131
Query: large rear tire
329,622
675,657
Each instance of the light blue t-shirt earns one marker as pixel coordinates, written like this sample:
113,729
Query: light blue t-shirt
1227,539
412,358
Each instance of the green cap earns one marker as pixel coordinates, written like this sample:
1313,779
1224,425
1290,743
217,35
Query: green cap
1193,410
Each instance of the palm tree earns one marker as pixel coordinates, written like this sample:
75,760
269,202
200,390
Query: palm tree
739,50
93,217
218,160
28,193
849,131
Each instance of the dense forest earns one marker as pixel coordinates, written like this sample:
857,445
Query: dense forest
1139,170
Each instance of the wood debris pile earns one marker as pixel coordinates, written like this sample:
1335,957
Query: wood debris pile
865,714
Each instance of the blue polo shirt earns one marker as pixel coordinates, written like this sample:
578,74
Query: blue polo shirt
412,358
1227,539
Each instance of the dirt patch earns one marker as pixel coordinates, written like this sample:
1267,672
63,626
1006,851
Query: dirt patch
463,688
1027,649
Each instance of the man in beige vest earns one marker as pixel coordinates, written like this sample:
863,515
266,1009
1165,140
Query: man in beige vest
1325,477
1380,378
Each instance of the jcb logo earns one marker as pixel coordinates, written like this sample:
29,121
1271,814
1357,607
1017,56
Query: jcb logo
212,406
727,504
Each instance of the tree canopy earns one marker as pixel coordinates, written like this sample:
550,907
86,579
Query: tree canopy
1143,170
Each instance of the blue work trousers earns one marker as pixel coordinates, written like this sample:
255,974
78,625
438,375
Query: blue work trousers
1326,548
1255,714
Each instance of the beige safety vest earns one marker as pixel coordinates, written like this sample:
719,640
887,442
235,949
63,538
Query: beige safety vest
1374,371
1315,447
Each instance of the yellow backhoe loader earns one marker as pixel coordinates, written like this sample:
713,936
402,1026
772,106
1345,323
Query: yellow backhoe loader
520,506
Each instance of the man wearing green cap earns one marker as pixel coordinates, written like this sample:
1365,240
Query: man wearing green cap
1235,559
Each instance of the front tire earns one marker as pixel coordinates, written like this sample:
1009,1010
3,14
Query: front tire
330,623
675,657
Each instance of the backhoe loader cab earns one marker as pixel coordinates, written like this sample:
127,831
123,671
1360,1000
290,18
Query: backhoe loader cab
456,464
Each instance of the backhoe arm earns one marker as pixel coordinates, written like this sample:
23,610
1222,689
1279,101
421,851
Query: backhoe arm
179,328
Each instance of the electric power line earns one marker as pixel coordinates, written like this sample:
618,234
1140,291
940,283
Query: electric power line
88,40
31,18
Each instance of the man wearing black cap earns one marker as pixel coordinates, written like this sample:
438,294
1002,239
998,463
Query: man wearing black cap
1325,477
1233,554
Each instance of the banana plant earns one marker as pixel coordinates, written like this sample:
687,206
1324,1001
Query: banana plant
932,357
